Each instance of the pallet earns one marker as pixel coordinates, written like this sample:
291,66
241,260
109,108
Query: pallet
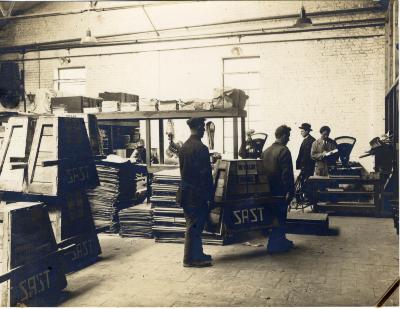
307,223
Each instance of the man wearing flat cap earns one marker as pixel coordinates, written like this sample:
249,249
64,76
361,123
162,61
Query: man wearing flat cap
196,192
304,162
321,152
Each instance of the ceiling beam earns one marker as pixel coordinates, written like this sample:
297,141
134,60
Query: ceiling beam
149,19
7,12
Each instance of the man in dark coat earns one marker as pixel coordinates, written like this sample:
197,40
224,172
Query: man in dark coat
304,162
322,152
277,164
197,192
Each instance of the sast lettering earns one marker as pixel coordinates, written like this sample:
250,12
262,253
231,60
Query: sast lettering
34,285
250,215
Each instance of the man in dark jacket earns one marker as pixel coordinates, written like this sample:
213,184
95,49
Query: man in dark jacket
277,164
197,192
304,162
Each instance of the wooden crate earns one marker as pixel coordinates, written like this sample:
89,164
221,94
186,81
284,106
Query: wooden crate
119,96
92,130
14,153
236,179
250,213
75,104
61,158
32,265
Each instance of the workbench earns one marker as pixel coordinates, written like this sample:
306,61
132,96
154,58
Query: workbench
327,197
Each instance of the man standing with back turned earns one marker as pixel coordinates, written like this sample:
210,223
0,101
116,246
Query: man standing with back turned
277,164
197,192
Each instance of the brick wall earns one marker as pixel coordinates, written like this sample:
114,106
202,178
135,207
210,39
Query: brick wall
332,77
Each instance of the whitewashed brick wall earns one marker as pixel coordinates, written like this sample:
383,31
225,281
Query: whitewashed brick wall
330,78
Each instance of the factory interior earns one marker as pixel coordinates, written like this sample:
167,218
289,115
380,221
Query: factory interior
224,153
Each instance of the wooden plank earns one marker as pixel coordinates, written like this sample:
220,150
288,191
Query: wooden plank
235,139
148,142
161,139
171,114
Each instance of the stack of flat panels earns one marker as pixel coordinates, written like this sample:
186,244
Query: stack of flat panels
117,191
136,221
168,218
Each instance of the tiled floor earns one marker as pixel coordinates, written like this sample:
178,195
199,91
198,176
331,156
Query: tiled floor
353,268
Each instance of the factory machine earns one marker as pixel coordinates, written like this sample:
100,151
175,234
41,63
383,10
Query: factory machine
348,186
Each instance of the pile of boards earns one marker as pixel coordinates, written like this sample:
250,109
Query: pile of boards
136,221
117,191
169,221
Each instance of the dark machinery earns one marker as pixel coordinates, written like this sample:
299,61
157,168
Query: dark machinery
252,148
345,168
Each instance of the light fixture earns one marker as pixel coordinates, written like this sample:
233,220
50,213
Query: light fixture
65,60
88,39
303,20
236,51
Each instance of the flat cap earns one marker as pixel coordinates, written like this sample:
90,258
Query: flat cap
195,122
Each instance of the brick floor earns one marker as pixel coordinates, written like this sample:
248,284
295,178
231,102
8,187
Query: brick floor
353,268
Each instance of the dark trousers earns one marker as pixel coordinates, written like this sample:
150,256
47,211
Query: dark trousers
196,216
279,233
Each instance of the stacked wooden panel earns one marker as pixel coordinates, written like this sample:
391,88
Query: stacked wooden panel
117,191
136,221
169,221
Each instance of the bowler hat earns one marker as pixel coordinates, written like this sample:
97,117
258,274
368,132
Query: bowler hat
195,122
305,126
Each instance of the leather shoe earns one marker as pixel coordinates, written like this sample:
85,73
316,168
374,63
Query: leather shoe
206,257
279,246
197,263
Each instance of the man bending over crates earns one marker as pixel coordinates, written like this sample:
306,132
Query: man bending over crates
196,192
277,164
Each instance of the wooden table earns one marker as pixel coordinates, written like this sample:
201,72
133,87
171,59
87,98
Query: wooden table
319,189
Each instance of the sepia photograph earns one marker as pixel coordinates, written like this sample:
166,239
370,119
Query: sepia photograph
199,153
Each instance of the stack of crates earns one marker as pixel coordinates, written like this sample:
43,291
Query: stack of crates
237,179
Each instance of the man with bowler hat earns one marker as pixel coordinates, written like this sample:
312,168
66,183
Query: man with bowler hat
196,192
304,162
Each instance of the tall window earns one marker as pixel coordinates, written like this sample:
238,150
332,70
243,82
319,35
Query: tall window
71,81
243,73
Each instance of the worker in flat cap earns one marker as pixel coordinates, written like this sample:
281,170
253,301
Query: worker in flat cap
321,152
304,162
196,192
278,166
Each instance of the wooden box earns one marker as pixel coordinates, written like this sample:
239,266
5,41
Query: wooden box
119,96
75,104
